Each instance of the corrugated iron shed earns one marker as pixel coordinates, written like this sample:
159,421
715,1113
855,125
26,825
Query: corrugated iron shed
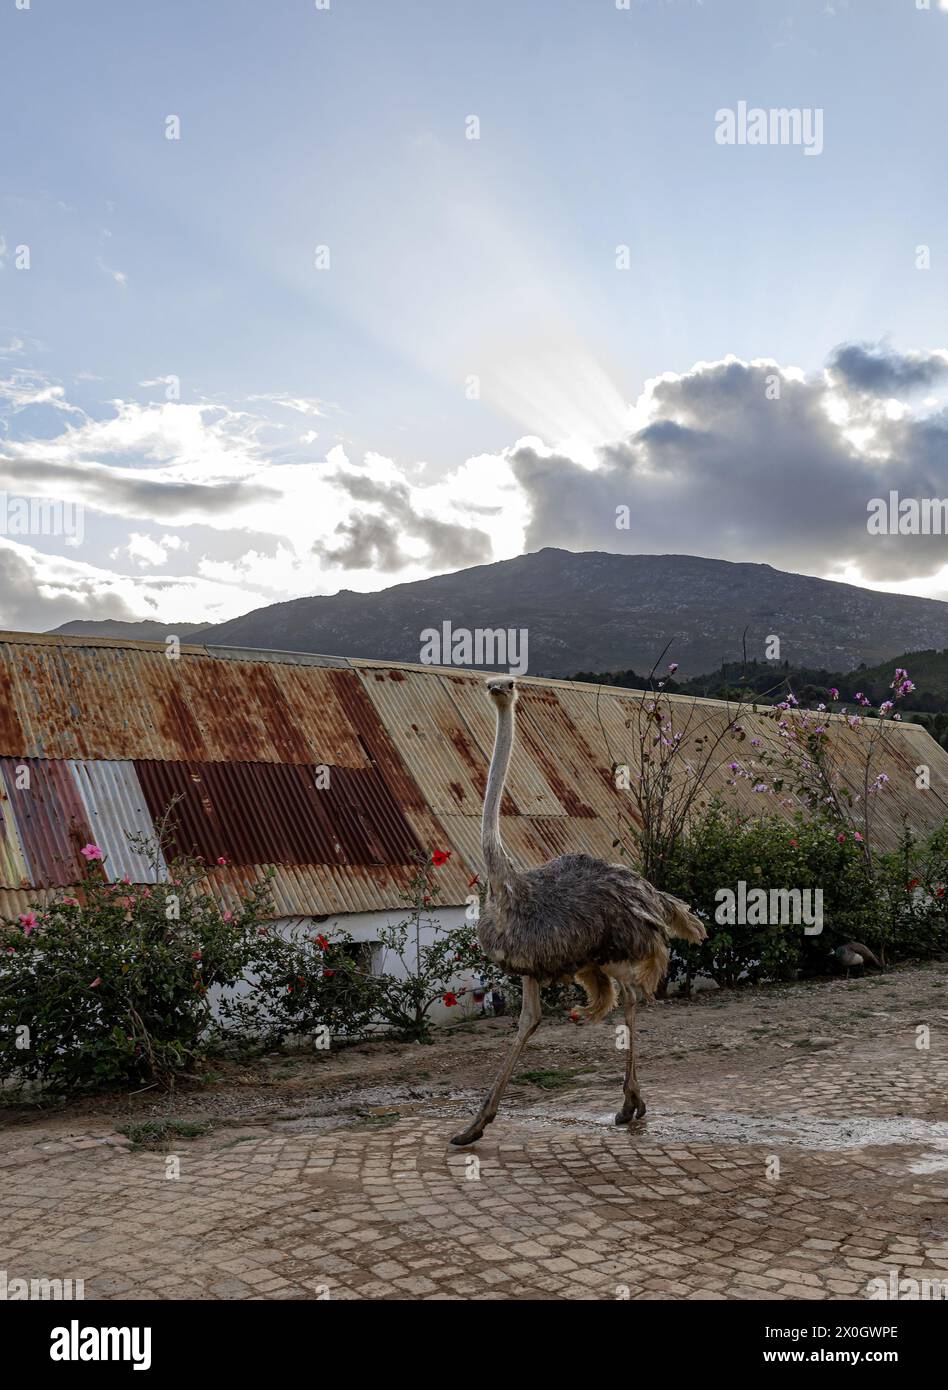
237,744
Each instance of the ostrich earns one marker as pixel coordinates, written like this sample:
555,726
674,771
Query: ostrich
573,918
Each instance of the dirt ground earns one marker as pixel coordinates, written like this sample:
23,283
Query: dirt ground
795,1146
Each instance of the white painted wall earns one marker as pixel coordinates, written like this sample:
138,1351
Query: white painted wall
367,926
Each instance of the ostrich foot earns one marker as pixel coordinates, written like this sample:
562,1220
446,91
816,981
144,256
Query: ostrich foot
631,1110
470,1135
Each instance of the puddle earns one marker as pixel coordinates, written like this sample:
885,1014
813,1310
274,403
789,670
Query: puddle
932,1162
806,1131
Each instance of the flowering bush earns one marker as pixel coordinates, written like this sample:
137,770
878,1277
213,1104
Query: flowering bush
722,850
302,986
109,983
314,984
425,971
806,760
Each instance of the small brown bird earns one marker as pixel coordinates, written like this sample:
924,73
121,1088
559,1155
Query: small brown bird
854,956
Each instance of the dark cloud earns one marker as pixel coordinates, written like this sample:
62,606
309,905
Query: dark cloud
29,603
125,493
373,541
864,367
723,469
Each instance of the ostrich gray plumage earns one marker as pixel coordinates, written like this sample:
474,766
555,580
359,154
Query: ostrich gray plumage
575,917
573,911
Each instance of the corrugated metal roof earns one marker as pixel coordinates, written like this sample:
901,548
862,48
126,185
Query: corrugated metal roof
111,731
118,815
50,818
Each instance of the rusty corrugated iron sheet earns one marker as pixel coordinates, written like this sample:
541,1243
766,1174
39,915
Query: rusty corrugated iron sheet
119,820
572,734
65,698
278,813
50,818
116,730
14,869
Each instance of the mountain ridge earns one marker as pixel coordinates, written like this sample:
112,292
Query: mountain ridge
595,610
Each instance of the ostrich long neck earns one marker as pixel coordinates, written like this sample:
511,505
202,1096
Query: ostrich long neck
499,867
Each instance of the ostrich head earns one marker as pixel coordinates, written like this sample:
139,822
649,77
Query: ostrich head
503,692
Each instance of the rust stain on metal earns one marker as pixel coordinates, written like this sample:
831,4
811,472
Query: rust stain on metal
50,819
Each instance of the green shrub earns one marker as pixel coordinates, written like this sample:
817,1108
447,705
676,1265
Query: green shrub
721,850
110,985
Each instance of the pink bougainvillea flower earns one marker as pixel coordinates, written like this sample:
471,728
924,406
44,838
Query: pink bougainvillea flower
70,902
222,860
91,852
450,999
841,839
27,922
439,857
857,836
228,917
96,982
834,693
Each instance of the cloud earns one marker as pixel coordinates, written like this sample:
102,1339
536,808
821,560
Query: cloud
40,591
720,465
24,388
740,460
118,276
147,552
375,539
882,372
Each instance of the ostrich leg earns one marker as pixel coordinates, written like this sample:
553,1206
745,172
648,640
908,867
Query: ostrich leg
529,1023
633,1106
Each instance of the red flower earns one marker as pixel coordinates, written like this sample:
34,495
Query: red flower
439,857
328,974
222,860
912,883
449,999
321,942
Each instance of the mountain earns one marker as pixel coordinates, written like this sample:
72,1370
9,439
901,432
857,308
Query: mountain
597,611
148,630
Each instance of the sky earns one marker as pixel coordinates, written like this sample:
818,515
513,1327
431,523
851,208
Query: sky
298,296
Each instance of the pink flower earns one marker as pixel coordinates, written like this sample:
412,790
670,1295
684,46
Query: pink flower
27,922
841,839
96,982
228,916
857,836
222,860
672,667
834,693
91,852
